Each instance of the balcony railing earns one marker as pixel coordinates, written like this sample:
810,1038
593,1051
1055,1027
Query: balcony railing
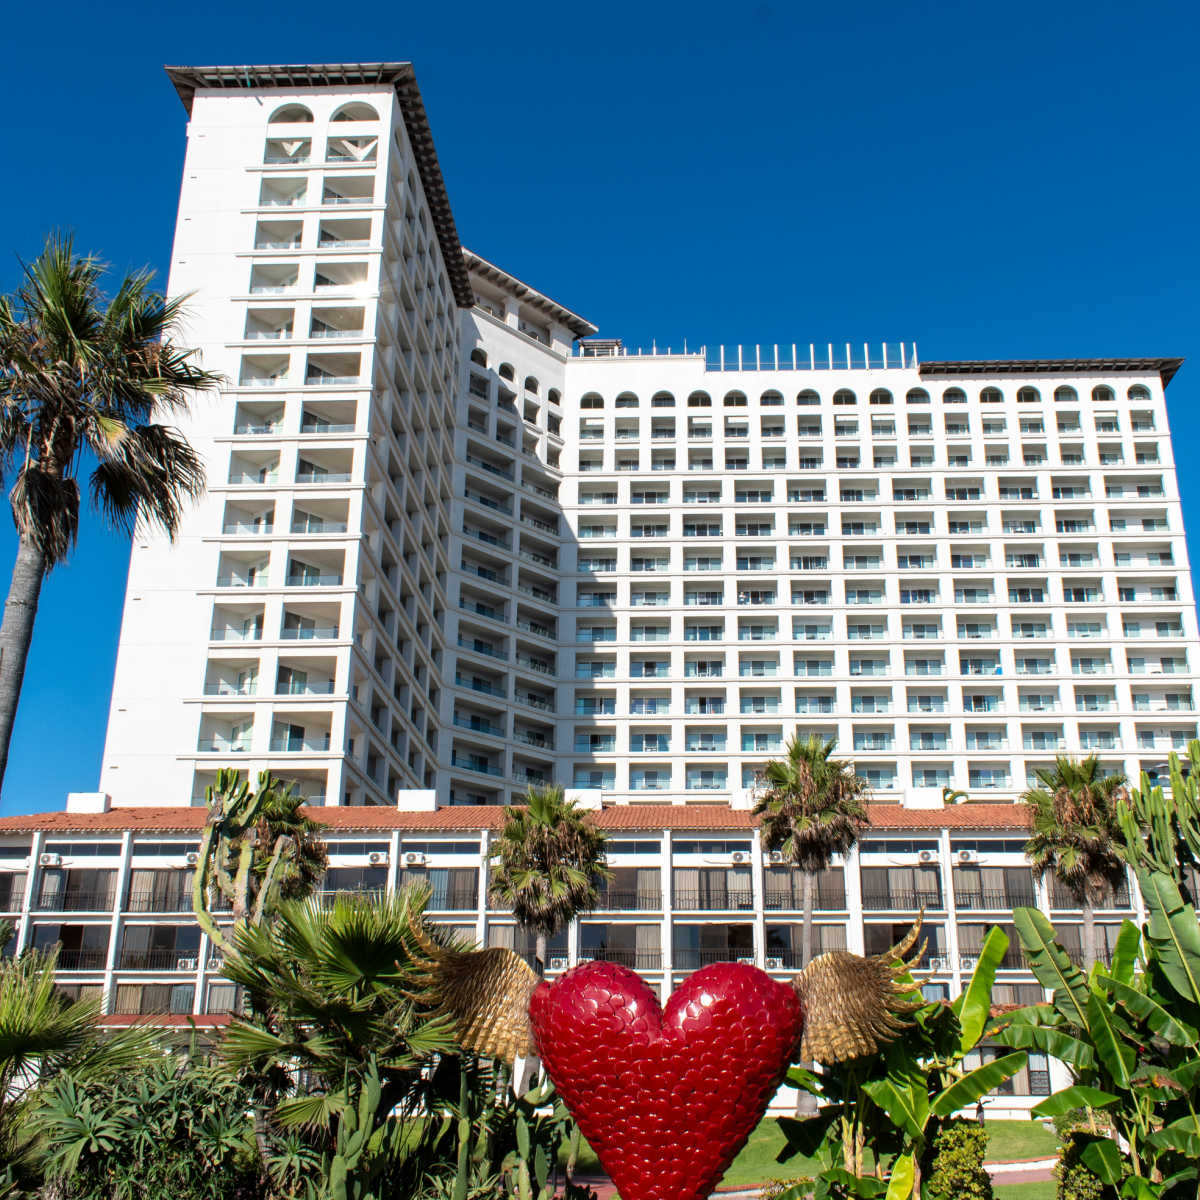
157,902
331,580
690,960
76,901
901,901
714,901
467,764
313,687
478,725
294,745
311,633
629,901
998,900
158,960
223,746
824,899
455,900
81,960
635,960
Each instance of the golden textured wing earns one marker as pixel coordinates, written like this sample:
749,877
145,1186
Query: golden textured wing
483,993
853,1005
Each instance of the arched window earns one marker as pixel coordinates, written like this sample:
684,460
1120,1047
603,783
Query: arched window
1028,395
626,400
478,357
1103,394
990,395
955,396
356,111
554,396
699,400
507,372
531,384
591,400
662,400
1065,394
917,396
881,396
1138,392
290,114
844,396
771,399
735,399
807,397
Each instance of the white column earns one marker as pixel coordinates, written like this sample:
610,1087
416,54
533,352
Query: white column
759,893
668,903
946,866
114,922
31,882
481,911
852,880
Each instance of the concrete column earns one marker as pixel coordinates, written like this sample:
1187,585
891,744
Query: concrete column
668,905
31,882
114,923
855,939
759,893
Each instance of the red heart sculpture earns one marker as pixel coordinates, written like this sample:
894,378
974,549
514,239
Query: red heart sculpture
666,1098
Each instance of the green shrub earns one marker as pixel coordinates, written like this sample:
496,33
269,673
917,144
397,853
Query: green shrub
956,1164
1072,1179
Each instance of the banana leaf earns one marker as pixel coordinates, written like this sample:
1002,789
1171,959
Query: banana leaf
1173,933
1051,965
1076,1096
962,1093
974,1006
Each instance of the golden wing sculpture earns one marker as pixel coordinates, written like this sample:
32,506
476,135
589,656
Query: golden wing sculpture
852,1004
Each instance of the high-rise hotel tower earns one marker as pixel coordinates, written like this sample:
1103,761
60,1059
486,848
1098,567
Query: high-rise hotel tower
453,545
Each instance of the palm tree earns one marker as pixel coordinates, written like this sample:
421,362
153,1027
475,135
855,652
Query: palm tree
81,375
547,865
1077,836
812,808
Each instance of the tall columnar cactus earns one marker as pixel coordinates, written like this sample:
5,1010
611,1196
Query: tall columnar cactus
257,848
1164,835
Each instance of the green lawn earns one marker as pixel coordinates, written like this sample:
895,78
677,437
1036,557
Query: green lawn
756,1163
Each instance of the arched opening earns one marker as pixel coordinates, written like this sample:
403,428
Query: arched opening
735,399
531,384
479,357
771,398
662,400
881,396
699,400
844,396
990,395
290,114
807,397
507,371
1065,394
917,396
355,111
1138,392
955,396
591,400
626,400
554,396
1103,394
1028,395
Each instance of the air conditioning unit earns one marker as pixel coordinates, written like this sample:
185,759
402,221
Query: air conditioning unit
936,964
215,962
581,960
412,858
966,856
927,856
749,961
774,964
776,856
558,964
739,857
193,857
185,964
968,961
49,860
379,858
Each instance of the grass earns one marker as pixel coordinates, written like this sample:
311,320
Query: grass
756,1163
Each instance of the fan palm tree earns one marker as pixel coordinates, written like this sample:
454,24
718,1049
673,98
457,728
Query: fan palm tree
1077,836
44,1035
547,865
813,807
79,375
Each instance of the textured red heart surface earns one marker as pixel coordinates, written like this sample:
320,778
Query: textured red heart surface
666,1097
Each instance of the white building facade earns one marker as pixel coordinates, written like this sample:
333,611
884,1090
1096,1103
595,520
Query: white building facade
454,545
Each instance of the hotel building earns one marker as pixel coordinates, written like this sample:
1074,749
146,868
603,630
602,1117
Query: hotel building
455,544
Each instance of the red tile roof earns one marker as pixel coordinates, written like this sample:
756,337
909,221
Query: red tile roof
468,818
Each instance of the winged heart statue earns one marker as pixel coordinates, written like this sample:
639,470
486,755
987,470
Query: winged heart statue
668,1096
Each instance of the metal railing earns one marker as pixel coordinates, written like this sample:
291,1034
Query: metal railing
731,900
689,959
989,900
81,960
629,901
158,960
73,900
635,960
901,901
157,902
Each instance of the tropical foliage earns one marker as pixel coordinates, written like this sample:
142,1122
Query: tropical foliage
1076,835
257,850
84,379
896,1103
813,807
547,864
1130,1035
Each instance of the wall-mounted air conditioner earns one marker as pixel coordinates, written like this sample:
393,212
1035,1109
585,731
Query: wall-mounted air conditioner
776,856
49,860
936,964
185,964
749,960
193,857
774,964
558,964
379,858
966,856
927,856
412,858
738,857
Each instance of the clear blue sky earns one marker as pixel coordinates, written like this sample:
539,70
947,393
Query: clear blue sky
1012,180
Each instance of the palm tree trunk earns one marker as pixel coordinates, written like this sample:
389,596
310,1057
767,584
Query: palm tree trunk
16,634
539,956
806,1102
1089,935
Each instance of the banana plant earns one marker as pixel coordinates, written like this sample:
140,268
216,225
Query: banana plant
1129,1033
895,1102
1163,835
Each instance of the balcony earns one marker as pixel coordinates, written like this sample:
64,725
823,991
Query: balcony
635,960
629,901
900,901
989,901
81,960
689,959
733,900
157,960
291,744
76,901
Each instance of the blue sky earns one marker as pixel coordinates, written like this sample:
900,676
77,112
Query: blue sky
985,180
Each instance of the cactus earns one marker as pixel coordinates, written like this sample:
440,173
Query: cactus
1163,835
